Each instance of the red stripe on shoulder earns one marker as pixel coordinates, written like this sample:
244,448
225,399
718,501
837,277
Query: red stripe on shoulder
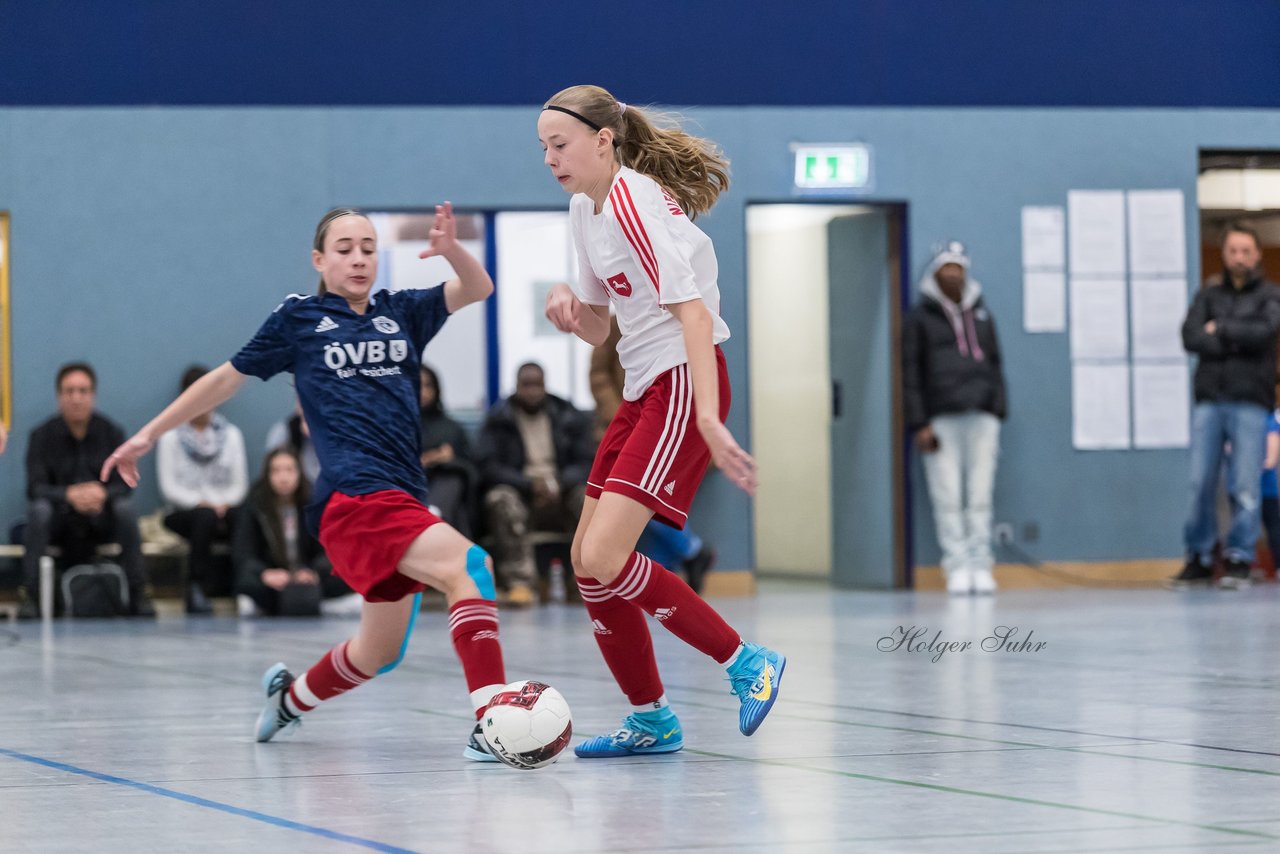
633,228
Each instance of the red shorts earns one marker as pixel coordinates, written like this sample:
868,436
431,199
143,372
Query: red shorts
365,536
653,452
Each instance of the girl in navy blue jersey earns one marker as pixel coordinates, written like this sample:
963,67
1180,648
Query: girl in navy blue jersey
355,357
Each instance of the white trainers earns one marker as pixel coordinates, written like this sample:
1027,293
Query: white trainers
351,605
959,582
984,583
246,607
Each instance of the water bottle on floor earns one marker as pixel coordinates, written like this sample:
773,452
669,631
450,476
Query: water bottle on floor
557,592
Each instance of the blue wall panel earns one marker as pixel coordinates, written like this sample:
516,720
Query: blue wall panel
149,238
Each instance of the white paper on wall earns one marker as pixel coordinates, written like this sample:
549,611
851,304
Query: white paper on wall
1161,405
1100,405
1044,301
1159,307
1157,233
1044,238
1099,319
1095,232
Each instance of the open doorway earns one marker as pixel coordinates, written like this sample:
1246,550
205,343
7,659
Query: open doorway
1239,186
825,297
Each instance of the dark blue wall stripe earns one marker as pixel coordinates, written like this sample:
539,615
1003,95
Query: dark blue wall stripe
204,802
837,52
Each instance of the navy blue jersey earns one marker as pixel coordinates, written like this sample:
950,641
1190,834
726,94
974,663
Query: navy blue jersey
357,378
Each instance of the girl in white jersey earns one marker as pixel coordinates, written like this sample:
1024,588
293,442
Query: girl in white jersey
635,186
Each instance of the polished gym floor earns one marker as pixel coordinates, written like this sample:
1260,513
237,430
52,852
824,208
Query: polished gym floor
1111,720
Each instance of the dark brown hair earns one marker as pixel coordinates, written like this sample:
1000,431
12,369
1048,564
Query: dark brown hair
1238,227
71,368
322,231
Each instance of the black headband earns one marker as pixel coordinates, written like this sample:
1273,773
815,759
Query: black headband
586,121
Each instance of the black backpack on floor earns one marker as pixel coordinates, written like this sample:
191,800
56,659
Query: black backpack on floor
95,590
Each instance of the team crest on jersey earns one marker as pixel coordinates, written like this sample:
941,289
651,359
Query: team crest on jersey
619,285
386,324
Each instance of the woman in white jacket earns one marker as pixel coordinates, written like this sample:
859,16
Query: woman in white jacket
203,474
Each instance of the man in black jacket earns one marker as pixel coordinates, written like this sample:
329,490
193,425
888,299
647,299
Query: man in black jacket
954,400
68,504
535,453
1231,326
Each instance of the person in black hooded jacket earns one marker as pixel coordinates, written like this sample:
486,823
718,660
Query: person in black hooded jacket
954,400
1231,326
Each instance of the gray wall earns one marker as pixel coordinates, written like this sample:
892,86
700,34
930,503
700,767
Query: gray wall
145,239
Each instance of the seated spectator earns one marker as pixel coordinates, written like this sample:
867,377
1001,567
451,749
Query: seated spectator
68,505
535,453
293,433
280,568
446,458
664,545
203,474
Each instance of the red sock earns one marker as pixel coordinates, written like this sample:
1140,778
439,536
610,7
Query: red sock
330,676
623,637
473,624
665,596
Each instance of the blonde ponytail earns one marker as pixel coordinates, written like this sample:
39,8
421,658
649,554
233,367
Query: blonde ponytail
693,170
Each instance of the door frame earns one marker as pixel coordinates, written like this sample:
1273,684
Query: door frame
899,282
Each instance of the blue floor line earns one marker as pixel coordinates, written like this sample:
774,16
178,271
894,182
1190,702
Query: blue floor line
205,802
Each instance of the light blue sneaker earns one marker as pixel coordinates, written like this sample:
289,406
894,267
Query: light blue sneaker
274,717
636,737
477,749
755,677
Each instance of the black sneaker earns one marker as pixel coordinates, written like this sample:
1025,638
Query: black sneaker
140,604
1194,574
697,567
1235,576
197,603
27,609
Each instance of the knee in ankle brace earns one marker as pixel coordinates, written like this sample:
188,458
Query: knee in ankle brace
479,572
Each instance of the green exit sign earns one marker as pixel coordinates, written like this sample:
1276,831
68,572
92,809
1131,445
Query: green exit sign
822,167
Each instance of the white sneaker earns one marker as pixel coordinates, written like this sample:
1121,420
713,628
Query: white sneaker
984,583
351,605
959,582
246,607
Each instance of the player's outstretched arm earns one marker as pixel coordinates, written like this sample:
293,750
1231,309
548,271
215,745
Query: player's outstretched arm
570,314
473,283
207,393
736,463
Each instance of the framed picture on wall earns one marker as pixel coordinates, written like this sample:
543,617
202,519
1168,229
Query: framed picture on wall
6,357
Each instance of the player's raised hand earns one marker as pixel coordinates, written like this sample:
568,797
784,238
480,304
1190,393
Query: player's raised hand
736,463
125,459
443,234
564,310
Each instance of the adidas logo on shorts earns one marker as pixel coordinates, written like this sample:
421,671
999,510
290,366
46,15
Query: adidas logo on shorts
670,488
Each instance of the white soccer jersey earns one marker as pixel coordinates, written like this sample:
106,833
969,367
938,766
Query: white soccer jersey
642,253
